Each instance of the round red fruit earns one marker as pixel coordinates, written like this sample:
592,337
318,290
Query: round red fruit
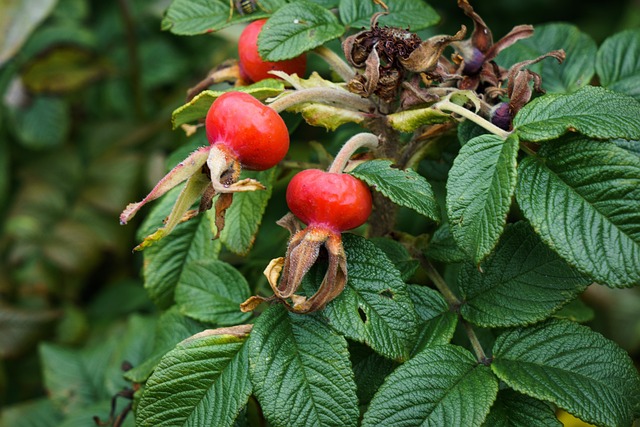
334,200
255,133
253,66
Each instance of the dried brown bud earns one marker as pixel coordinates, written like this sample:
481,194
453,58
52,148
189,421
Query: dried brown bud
425,57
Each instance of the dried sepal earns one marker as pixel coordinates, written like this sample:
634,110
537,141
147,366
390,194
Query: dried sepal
426,56
518,88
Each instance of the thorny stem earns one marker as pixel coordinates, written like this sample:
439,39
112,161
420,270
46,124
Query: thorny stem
336,63
475,343
360,140
134,60
469,115
322,95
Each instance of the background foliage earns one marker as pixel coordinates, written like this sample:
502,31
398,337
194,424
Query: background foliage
88,88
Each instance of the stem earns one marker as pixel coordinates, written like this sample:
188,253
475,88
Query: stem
437,280
360,140
475,343
322,95
335,62
469,115
134,62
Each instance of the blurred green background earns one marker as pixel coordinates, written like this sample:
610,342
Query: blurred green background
87,88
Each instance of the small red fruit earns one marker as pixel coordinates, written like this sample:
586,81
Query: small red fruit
336,201
256,134
253,66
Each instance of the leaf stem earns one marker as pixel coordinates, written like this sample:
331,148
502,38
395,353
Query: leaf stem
321,95
437,280
475,343
446,105
360,140
336,63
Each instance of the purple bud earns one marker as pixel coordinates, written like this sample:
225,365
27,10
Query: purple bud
501,115
473,60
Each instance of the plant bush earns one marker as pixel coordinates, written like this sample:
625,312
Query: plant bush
505,184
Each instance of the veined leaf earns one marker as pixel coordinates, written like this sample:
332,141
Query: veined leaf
204,381
437,322
199,106
574,72
211,291
370,369
403,187
512,409
442,247
244,217
443,386
618,63
301,371
402,13
165,260
296,28
375,307
571,366
191,17
522,282
583,199
398,255
479,192
592,111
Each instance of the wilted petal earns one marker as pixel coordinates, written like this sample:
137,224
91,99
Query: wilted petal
518,32
426,56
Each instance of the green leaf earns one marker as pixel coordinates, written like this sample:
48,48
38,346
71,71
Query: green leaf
479,191
512,409
204,381
442,247
165,260
440,386
410,120
199,106
17,21
44,124
398,255
571,366
415,14
522,282
191,17
375,307
211,291
170,329
576,311
301,371
592,111
583,199
244,217
403,187
370,369
297,28
32,413
575,71
437,322
618,63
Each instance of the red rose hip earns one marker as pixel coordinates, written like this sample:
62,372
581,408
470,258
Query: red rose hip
254,133
253,66
336,201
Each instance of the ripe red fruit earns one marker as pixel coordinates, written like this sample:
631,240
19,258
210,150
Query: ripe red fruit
253,66
256,135
336,201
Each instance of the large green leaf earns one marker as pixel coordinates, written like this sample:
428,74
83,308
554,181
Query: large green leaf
479,192
44,124
370,369
440,386
398,255
33,413
575,71
618,63
437,322
415,14
442,246
244,217
211,291
301,371
583,198
512,409
522,282
592,111
199,106
165,260
403,187
204,381
190,17
375,307
296,28
571,366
